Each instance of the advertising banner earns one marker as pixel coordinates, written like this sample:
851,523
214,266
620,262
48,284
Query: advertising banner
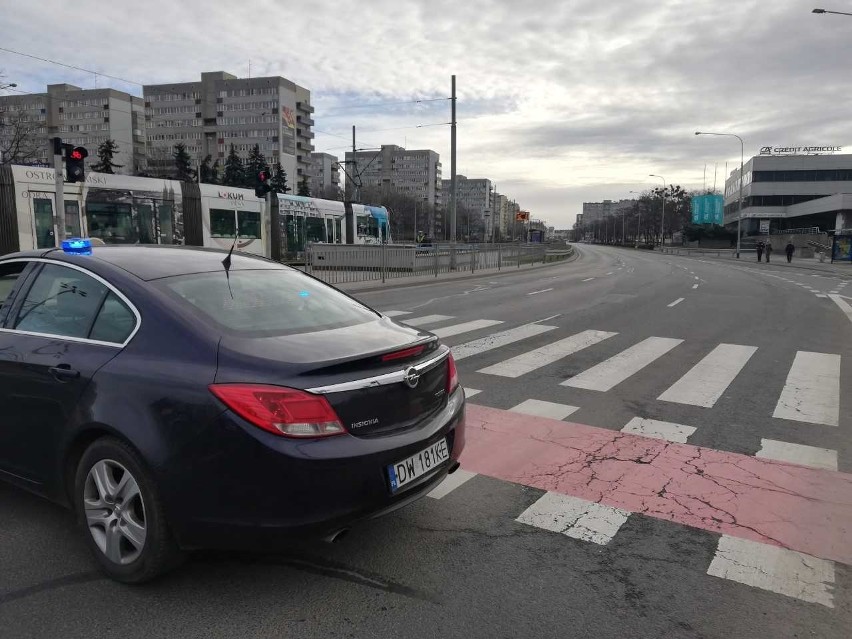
708,209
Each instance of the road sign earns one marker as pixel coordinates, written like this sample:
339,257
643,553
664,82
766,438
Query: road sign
708,209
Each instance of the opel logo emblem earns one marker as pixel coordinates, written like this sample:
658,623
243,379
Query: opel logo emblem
412,378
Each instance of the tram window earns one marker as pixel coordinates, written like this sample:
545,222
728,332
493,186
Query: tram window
146,222
314,229
72,219
329,231
249,222
363,226
338,223
113,223
167,232
222,223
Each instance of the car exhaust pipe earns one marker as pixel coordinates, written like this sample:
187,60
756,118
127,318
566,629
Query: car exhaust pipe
336,536
453,467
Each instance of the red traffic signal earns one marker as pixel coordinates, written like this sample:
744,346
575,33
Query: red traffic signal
262,176
74,163
77,154
262,187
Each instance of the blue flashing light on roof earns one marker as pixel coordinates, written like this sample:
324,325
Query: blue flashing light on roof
304,294
77,246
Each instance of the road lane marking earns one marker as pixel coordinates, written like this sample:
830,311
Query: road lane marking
471,392
610,273
821,295
616,369
705,382
427,319
452,482
588,279
576,518
696,277
544,290
798,454
658,429
694,286
677,301
779,570
498,340
538,408
812,390
531,360
395,313
466,327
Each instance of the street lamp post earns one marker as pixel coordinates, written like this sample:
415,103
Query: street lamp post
839,13
663,215
740,205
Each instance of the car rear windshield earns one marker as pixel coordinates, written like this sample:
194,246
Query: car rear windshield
267,302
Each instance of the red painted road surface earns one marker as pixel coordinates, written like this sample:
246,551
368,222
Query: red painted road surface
795,507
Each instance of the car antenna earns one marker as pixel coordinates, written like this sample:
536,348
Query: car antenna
227,263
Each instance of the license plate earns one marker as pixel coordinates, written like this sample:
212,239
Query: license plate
406,471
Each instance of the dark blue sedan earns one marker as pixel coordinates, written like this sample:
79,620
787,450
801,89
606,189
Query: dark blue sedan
181,398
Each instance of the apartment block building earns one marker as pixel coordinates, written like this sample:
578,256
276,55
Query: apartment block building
324,173
82,117
221,110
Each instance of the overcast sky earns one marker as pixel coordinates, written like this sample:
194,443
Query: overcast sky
560,101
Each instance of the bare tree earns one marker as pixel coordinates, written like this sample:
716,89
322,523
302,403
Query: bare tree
18,138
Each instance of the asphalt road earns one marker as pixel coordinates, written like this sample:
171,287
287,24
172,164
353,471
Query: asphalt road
463,565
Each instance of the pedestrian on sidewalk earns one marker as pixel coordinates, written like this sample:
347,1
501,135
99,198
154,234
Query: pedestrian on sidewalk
790,248
759,248
768,251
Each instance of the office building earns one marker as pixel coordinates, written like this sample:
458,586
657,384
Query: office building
324,174
415,173
82,117
222,110
475,197
791,192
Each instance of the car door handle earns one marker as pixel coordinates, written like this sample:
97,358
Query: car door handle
63,372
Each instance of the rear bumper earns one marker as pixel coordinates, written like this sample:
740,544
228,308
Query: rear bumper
244,487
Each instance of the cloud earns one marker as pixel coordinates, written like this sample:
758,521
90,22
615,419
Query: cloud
559,102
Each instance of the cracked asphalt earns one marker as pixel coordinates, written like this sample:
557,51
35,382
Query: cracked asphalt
462,566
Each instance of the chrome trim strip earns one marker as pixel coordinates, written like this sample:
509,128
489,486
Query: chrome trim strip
82,340
397,377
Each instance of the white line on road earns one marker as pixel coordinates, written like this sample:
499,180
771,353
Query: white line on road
471,392
694,286
843,305
465,327
497,340
812,390
588,279
574,517
531,360
821,295
610,273
677,301
696,277
705,382
395,313
616,369
544,290
658,430
786,572
824,458
451,483
538,408
427,319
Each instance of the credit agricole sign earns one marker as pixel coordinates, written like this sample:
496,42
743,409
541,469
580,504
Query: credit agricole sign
799,150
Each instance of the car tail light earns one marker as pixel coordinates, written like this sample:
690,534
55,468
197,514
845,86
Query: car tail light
452,375
403,354
282,411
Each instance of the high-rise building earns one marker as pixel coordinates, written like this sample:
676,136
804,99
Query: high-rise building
222,110
82,117
474,196
415,173
324,173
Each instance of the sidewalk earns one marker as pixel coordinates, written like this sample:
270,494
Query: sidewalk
843,269
425,280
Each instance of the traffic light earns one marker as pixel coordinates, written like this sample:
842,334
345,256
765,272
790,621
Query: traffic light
75,163
262,186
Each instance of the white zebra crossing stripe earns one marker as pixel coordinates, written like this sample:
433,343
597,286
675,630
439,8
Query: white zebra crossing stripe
471,392
574,517
395,313
616,369
786,572
812,391
427,319
658,429
451,483
497,340
466,327
798,454
539,408
705,382
530,361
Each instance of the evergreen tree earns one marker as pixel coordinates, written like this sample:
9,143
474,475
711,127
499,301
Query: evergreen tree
106,151
216,172
234,170
255,163
206,171
304,189
279,180
183,163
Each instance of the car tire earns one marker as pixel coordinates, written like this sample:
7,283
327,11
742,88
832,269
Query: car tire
121,515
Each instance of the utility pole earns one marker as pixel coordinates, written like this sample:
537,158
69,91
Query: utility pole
356,195
60,191
453,173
